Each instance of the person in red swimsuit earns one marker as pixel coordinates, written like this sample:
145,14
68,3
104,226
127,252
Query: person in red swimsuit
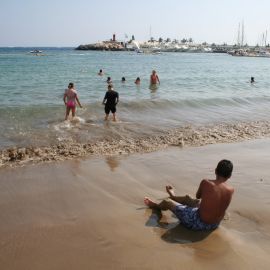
70,98
154,80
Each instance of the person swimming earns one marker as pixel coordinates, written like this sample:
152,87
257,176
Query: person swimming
109,80
252,80
101,73
123,79
137,81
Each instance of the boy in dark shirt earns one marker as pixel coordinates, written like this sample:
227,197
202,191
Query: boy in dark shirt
110,100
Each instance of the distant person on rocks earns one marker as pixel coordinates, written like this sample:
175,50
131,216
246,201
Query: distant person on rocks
101,73
123,79
70,98
252,80
110,101
109,80
138,81
208,209
154,80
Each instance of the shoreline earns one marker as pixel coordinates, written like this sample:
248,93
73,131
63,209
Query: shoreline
189,136
89,213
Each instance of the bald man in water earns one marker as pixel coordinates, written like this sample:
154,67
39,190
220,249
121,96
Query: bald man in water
208,209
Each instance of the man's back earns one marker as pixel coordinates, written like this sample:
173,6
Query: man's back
215,198
111,97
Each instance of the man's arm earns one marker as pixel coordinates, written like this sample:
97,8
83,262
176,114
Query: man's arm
199,191
158,79
105,98
117,98
64,98
78,101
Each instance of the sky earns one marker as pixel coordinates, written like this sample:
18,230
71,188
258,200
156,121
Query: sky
59,23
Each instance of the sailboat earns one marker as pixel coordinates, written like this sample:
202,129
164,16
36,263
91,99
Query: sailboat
242,51
137,47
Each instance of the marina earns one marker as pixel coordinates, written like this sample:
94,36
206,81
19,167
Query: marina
185,45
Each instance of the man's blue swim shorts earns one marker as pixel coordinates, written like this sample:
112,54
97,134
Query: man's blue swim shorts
190,218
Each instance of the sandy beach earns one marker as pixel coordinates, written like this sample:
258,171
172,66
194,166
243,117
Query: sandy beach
89,213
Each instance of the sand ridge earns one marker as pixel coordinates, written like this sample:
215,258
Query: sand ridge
185,136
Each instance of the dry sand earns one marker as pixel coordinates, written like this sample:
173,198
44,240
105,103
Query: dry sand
89,214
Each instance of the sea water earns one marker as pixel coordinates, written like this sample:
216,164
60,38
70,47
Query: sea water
196,89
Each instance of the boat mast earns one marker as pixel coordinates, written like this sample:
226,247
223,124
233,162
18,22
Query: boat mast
238,36
243,34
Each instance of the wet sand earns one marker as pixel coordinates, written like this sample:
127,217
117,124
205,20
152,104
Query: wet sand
89,213
134,143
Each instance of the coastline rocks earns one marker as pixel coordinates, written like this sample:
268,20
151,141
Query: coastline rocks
12,154
103,46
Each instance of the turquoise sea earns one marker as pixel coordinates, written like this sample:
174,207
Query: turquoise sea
196,89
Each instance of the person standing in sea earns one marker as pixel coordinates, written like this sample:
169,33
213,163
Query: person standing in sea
154,80
110,101
70,98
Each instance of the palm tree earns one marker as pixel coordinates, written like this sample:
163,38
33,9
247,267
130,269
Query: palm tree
184,40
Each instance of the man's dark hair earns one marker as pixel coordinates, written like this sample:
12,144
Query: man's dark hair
224,168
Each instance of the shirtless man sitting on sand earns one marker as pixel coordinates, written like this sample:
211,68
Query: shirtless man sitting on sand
208,209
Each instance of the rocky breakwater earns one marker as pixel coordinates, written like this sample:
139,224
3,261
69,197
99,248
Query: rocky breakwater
103,46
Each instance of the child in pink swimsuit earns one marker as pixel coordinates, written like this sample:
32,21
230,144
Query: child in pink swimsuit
70,98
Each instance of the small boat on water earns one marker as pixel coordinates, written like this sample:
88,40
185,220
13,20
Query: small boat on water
248,53
262,54
139,51
35,51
